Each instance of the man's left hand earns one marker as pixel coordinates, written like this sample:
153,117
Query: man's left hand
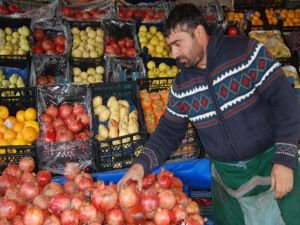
282,180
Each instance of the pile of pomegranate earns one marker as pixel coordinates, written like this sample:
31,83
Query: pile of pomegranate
27,198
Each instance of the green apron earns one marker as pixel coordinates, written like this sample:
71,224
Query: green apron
241,194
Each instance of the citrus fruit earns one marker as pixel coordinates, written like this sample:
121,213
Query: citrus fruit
34,124
4,113
3,128
18,127
20,115
9,135
18,142
30,114
29,134
12,119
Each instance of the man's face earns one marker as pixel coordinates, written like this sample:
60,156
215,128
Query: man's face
185,47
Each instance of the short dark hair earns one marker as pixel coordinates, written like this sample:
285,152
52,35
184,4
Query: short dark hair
186,16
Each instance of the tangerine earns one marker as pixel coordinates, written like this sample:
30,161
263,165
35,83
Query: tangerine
18,127
12,119
30,114
3,128
20,115
29,134
34,124
4,113
9,135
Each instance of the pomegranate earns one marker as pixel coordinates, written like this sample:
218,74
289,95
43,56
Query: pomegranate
33,216
29,190
192,208
149,202
87,213
52,189
105,198
129,196
41,201
52,220
179,213
59,203
52,111
8,209
27,164
27,177
70,217
148,180
69,187
43,177
71,170
115,217
78,108
162,217
167,199
65,110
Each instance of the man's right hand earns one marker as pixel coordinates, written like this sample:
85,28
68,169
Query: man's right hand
135,172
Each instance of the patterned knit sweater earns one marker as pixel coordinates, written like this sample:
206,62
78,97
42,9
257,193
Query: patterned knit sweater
241,104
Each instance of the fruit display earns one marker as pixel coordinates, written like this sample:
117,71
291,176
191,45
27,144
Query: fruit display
28,198
290,17
14,41
44,43
19,129
161,70
154,105
273,41
244,17
65,123
87,42
89,76
84,11
122,47
116,119
154,40
9,9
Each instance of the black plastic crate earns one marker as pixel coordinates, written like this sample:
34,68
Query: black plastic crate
156,84
20,67
84,64
15,24
25,99
119,152
82,26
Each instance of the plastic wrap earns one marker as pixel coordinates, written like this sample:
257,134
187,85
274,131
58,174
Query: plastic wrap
124,69
213,12
57,35
54,155
120,38
34,9
273,41
154,11
96,10
42,67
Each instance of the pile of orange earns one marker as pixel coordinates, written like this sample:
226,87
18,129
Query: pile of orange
21,129
290,17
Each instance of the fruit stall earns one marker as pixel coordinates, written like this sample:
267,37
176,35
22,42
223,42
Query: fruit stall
83,84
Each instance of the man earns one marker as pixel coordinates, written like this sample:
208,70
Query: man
247,117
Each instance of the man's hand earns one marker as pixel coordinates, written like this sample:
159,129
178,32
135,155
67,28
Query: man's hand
135,172
282,180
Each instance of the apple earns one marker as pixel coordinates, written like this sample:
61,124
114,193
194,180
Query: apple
59,39
4,10
232,31
38,34
65,110
67,11
41,80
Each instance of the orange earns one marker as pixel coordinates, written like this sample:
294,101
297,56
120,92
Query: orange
4,113
1,121
12,119
29,134
30,114
19,135
9,135
1,135
3,142
18,127
34,124
20,115
3,128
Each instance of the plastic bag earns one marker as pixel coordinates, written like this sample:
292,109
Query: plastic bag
120,38
154,11
273,41
87,11
56,33
53,155
49,70
36,10
124,69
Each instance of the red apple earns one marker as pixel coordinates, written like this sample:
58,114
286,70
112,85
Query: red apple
52,111
59,39
41,80
48,45
38,34
233,31
67,11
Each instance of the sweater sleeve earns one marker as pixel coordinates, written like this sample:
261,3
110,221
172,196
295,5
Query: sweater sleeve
273,87
166,137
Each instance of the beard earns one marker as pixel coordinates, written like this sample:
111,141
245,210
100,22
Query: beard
192,58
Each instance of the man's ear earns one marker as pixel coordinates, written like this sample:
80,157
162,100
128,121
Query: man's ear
199,32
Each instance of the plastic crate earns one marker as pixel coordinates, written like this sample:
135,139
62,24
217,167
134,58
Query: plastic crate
20,67
190,146
84,64
25,99
15,24
109,155
82,26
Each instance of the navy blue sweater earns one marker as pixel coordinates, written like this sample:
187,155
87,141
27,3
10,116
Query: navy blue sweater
241,104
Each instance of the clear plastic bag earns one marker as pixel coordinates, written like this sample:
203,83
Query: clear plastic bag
53,155
36,10
49,70
124,69
51,37
153,11
87,11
